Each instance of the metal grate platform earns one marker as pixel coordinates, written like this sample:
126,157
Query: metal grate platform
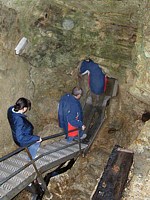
16,172
56,153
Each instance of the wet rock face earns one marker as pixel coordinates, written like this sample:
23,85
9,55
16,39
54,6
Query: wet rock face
138,187
59,36
9,24
141,83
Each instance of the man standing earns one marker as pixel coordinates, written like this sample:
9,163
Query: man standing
70,115
97,79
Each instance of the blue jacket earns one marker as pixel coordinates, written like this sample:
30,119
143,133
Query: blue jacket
96,76
22,129
70,112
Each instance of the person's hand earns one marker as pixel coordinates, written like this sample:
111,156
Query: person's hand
83,127
40,140
79,75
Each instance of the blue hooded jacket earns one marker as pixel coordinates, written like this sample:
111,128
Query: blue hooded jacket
96,76
22,129
70,111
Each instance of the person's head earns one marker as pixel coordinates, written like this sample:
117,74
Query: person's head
88,59
22,104
77,92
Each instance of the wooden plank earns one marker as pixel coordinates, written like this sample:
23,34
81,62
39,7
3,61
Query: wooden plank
115,175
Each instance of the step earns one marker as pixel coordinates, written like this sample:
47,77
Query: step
10,168
18,161
3,192
10,185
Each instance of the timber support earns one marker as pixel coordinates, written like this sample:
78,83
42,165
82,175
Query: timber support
115,175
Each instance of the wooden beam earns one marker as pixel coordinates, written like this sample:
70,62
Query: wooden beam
115,175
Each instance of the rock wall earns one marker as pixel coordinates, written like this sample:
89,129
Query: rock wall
60,34
141,83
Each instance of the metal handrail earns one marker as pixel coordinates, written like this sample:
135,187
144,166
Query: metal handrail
43,139
23,148
33,160
12,153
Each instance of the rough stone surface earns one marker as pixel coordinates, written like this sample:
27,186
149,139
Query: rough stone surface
138,186
141,84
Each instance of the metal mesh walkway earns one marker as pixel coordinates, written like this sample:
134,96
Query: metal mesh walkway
17,171
53,155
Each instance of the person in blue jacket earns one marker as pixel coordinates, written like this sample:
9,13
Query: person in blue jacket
70,115
97,79
22,129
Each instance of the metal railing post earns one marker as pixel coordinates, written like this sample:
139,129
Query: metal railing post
79,141
39,175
